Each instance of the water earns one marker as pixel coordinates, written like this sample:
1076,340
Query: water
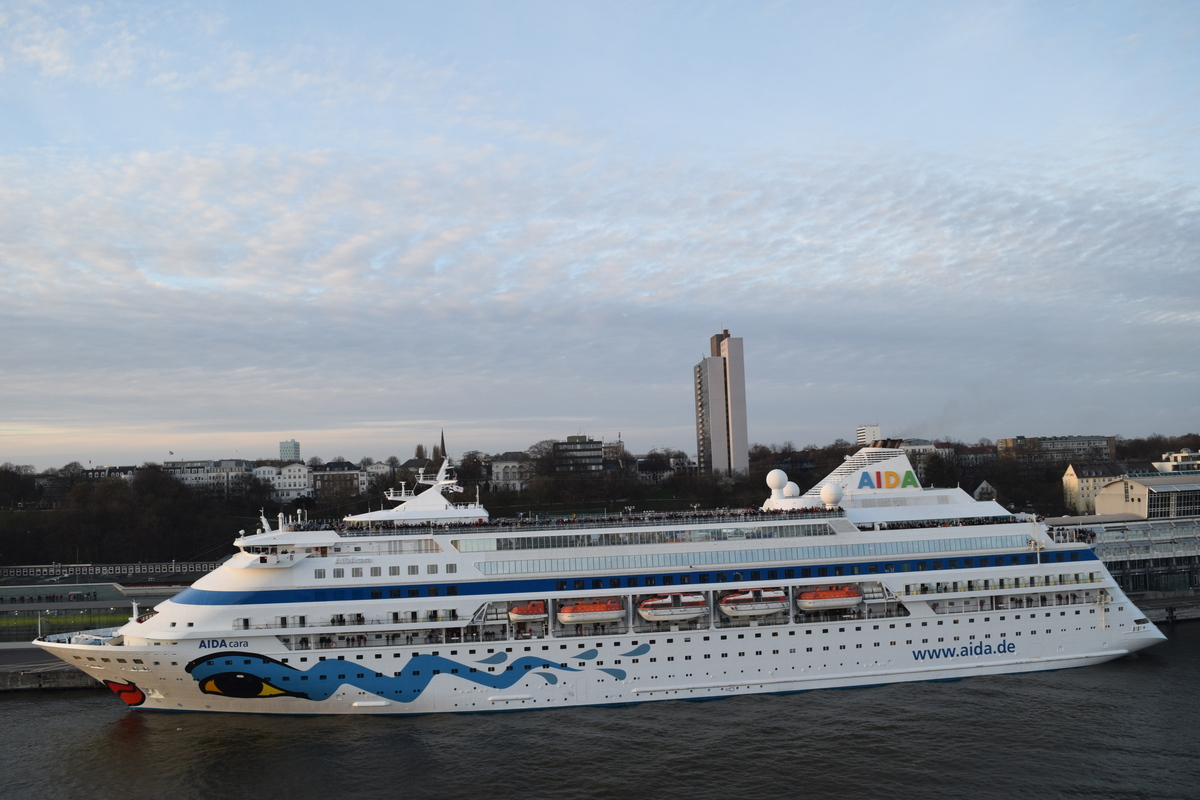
1126,729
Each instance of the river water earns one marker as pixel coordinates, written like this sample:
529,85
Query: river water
1126,729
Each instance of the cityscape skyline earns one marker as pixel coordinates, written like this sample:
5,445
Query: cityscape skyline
231,225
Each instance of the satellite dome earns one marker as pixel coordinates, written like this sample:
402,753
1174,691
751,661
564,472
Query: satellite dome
831,494
791,490
776,480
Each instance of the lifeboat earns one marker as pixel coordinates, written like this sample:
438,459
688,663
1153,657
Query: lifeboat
596,611
673,607
530,612
825,599
754,603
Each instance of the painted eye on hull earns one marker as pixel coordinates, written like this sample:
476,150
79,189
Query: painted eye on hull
241,684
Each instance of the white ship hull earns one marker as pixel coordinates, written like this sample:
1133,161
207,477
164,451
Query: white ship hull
771,659
317,622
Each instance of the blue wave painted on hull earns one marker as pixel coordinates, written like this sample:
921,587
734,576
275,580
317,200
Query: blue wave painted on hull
499,658
249,675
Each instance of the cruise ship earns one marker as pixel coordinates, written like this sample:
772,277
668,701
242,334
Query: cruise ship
865,579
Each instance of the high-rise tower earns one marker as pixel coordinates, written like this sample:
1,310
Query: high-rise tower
720,383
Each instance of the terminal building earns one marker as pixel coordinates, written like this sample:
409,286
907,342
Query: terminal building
1146,529
1151,497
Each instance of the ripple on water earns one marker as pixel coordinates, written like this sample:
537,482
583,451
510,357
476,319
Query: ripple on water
1119,730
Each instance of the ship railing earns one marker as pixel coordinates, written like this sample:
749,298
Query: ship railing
844,614
562,524
350,622
499,633
981,605
422,636
956,522
962,587
97,636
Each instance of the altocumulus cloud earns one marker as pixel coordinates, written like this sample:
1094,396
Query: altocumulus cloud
241,286
227,231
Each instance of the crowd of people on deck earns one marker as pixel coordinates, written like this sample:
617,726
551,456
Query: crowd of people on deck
73,597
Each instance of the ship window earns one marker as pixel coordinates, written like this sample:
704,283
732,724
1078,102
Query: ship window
376,594
597,583
651,580
772,574
393,570
789,573
393,592
413,569
668,580
755,575
560,586
631,582
414,592
451,590
805,572
356,572
376,572
579,584
614,583
431,569
318,573
822,572
339,573
451,568
433,591
704,577
685,578
720,577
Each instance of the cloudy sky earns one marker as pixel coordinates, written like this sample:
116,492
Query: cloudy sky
227,224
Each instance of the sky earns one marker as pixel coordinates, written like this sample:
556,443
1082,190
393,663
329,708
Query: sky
223,225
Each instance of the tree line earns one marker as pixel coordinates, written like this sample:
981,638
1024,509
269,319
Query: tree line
155,517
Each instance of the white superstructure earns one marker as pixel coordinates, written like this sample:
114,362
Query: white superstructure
314,622
430,506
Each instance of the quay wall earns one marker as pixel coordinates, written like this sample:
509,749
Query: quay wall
30,680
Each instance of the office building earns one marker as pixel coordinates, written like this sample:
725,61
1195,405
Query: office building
720,384
289,451
867,434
